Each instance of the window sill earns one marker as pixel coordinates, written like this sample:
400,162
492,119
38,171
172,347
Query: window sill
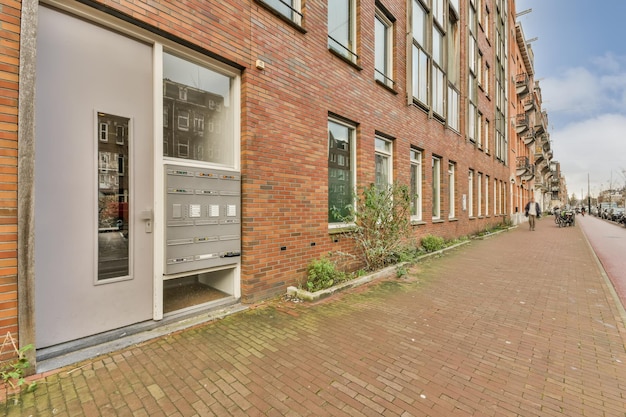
281,16
435,221
418,223
344,59
472,218
340,229
386,87
453,219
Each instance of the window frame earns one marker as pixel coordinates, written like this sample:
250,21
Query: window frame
386,153
436,188
352,154
349,51
291,12
451,190
386,76
487,195
416,158
470,193
479,192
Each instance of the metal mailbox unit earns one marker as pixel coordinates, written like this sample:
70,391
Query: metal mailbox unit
203,219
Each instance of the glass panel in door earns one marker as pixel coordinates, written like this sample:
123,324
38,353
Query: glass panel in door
113,193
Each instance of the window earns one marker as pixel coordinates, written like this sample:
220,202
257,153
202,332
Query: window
384,169
470,193
451,195
479,129
453,71
486,80
479,68
202,125
183,120
473,62
500,137
291,9
420,55
436,178
104,132
438,85
120,134
342,28
487,195
479,194
383,49
495,197
341,170
416,185
486,136
435,53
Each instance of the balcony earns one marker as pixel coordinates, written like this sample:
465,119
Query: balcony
541,123
524,169
539,155
529,103
529,139
521,123
543,167
522,84
540,184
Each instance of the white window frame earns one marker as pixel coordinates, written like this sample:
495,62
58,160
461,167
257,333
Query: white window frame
416,185
487,195
104,132
291,9
352,172
479,194
385,74
479,129
436,188
451,190
383,152
470,193
421,61
486,136
438,83
347,51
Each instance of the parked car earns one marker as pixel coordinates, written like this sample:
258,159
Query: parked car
617,214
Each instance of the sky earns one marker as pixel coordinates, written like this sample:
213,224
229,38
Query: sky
580,62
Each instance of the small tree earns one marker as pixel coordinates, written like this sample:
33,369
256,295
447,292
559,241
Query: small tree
381,223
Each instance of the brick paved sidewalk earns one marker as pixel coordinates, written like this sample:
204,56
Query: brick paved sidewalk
519,324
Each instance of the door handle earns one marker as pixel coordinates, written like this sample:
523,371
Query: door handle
147,216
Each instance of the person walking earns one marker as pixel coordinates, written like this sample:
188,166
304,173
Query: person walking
532,211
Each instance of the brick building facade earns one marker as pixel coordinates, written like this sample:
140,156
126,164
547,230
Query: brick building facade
322,97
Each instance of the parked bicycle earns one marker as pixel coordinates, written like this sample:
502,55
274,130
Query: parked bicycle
566,218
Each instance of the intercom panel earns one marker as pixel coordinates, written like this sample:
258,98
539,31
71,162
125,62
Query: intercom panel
203,218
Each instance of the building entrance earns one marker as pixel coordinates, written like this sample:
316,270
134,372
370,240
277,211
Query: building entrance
94,180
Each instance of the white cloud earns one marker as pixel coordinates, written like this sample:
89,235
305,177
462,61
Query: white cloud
592,147
575,92
608,62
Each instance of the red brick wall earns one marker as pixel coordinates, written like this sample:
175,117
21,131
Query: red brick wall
9,69
285,111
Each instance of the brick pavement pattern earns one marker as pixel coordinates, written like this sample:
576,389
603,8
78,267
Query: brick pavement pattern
519,324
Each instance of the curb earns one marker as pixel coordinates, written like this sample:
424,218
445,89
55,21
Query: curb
295,292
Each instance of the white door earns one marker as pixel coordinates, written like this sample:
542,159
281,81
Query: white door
93,180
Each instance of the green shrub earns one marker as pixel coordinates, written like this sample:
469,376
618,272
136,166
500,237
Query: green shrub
432,243
322,273
380,223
